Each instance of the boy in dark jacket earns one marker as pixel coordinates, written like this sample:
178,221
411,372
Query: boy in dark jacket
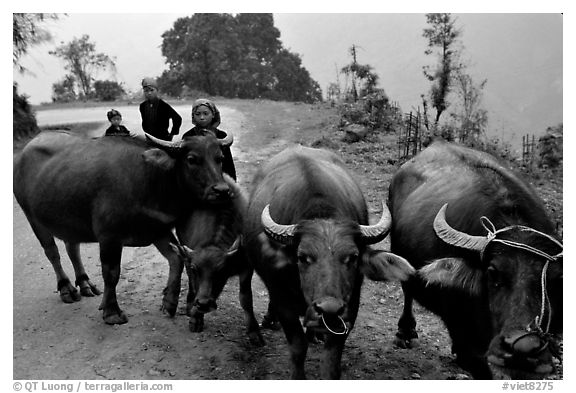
156,113
116,129
206,118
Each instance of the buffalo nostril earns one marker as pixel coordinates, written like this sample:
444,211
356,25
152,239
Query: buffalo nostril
329,306
221,189
523,343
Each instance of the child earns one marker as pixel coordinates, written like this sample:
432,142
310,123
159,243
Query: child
116,129
156,113
206,117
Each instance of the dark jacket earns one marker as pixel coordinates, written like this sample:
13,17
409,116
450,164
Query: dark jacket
113,131
228,163
155,119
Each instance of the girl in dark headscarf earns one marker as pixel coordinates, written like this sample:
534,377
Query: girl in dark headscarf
206,118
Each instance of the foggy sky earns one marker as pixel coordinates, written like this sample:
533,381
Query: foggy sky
519,54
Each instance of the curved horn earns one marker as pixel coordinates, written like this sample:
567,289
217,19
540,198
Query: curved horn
163,143
454,237
235,246
374,233
281,233
227,141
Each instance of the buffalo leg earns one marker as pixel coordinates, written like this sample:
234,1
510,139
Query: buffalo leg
470,332
82,280
110,257
246,301
68,293
297,342
192,289
270,320
330,367
406,336
173,286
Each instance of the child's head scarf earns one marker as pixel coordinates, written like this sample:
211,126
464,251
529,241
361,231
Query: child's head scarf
210,105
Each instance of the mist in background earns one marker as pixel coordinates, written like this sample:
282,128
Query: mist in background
519,54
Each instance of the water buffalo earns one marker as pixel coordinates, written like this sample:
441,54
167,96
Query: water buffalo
209,242
307,235
488,259
117,191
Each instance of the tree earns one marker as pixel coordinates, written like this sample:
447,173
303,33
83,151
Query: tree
26,32
333,92
442,35
202,51
64,91
292,81
471,117
233,56
363,80
82,61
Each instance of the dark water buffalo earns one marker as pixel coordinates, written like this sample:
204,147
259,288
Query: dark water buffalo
209,242
307,235
117,191
487,257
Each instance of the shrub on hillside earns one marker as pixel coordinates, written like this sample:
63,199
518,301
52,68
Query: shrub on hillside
373,111
550,148
23,120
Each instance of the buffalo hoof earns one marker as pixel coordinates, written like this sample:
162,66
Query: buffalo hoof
169,308
405,343
196,324
88,289
69,294
116,318
256,339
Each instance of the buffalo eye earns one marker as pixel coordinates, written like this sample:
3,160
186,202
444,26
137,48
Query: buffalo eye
193,160
495,277
305,259
351,259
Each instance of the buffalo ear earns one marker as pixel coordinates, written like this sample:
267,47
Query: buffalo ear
159,158
380,265
176,249
274,256
454,273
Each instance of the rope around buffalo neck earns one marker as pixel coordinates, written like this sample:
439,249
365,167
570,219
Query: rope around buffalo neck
545,300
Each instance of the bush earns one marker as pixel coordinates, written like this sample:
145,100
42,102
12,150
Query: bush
63,91
550,148
108,90
354,113
372,111
24,123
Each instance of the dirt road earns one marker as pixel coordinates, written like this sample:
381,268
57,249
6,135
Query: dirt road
53,340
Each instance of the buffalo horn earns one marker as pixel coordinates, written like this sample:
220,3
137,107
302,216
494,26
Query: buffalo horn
163,143
234,247
374,233
228,140
281,233
455,237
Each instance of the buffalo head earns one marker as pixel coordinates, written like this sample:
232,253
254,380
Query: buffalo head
520,277
332,257
196,163
209,268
